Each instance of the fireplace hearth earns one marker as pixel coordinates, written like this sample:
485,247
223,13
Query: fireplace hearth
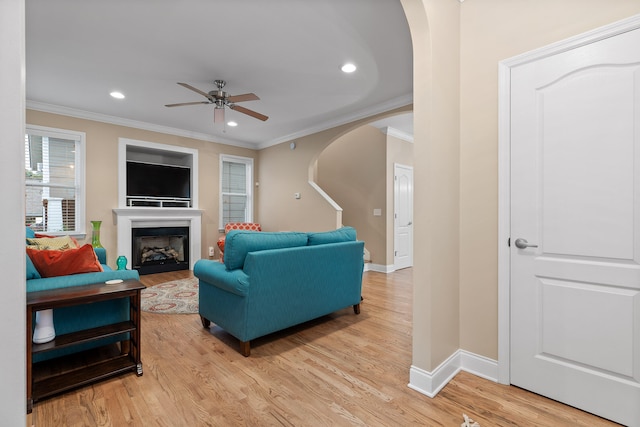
159,249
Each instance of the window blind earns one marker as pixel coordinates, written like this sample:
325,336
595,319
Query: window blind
50,180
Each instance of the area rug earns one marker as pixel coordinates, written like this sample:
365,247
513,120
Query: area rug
175,297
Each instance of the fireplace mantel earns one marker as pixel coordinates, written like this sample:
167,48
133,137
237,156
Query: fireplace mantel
141,217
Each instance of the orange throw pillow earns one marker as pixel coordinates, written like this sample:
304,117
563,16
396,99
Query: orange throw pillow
52,263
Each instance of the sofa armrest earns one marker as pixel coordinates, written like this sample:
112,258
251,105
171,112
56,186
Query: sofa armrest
101,253
216,274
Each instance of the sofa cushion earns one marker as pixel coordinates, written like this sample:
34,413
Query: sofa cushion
60,243
344,234
52,263
251,226
240,242
30,233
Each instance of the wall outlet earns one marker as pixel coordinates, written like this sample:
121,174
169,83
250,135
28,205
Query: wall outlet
211,252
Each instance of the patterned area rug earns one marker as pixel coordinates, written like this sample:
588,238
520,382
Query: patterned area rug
175,297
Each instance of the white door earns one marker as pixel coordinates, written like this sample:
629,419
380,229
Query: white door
575,194
403,216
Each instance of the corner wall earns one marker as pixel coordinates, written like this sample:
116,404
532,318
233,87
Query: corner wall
435,34
351,170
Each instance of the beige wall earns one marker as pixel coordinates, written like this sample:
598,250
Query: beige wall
457,47
356,170
102,175
352,171
435,30
284,172
491,31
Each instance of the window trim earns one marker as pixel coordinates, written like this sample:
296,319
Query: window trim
79,168
248,161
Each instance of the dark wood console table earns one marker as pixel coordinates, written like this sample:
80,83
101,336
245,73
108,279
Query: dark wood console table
127,360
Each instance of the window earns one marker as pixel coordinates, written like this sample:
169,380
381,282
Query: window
54,180
236,198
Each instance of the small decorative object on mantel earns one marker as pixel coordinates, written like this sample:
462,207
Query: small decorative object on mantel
121,262
95,234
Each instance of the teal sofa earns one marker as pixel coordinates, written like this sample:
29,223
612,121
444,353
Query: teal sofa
80,317
274,280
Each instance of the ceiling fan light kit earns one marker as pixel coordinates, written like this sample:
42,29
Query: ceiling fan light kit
222,99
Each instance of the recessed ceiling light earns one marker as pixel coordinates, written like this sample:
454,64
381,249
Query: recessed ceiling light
232,123
117,95
348,68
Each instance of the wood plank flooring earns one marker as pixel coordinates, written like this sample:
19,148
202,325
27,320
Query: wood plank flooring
339,370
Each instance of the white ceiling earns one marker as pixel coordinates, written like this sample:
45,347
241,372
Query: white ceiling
288,52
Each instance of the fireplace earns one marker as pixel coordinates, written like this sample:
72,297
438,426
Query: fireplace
159,249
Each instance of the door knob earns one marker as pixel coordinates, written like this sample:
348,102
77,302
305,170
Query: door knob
523,244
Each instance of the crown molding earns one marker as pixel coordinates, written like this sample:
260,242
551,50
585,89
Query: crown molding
398,102
104,118
397,134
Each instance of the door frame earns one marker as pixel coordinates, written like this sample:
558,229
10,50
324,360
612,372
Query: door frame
396,166
504,170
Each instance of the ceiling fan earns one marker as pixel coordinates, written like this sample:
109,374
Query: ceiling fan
222,99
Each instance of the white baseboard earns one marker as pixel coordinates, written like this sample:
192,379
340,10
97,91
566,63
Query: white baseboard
379,268
430,383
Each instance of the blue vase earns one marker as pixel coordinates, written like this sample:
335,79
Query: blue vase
121,262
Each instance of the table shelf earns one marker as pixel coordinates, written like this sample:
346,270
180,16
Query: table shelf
84,336
128,360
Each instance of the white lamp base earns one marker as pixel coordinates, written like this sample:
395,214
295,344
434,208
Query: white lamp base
44,330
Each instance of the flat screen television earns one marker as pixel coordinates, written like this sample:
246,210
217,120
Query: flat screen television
154,180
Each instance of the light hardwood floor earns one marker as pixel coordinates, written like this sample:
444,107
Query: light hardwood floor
340,370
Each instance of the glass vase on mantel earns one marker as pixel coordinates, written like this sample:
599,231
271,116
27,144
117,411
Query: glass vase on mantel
95,234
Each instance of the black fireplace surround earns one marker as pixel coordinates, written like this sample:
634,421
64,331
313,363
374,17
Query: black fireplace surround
159,249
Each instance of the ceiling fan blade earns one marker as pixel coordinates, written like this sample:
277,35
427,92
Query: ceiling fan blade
248,112
187,103
188,86
243,97
218,115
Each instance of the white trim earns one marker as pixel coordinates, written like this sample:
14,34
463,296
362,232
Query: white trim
80,167
398,102
430,383
396,208
389,131
504,165
329,200
504,221
595,35
128,218
325,196
248,161
124,143
379,268
119,121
